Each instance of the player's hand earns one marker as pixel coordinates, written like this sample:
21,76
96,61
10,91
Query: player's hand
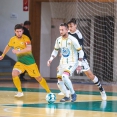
57,68
49,62
78,69
1,57
15,51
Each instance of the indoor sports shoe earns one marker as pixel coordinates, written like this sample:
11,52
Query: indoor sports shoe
19,94
61,93
103,95
73,97
65,99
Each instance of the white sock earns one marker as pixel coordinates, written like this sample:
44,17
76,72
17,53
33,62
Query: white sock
63,88
68,83
95,79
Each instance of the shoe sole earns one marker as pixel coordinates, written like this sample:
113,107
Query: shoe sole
65,101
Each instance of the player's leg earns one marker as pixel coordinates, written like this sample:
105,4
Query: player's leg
60,82
43,83
61,93
63,89
96,81
22,76
62,86
18,68
91,76
69,69
34,72
68,83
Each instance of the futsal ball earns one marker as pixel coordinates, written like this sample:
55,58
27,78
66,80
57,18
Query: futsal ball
50,98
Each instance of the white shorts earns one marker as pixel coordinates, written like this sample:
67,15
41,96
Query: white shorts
70,68
85,65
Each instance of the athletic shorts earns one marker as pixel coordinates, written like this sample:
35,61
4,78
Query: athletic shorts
85,65
31,69
70,68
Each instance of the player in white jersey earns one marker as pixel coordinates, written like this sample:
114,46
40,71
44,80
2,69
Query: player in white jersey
86,69
69,47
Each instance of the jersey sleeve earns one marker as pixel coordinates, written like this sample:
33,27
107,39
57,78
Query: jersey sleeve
10,43
79,34
76,44
56,47
27,40
80,38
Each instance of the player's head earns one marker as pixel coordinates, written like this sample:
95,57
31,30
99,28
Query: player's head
27,24
72,25
18,30
63,28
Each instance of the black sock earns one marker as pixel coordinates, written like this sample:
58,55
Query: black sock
99,86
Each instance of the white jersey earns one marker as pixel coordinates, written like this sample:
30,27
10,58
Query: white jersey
69,49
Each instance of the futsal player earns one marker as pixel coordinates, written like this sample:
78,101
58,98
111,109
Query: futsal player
70,48
22,48
26,32
85,66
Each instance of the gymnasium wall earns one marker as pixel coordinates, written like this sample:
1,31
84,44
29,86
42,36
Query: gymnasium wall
45,43
11,13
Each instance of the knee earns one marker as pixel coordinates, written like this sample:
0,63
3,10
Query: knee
15,73
64,76
59,79
38,78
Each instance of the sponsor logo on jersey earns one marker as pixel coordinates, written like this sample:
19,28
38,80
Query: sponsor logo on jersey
65,52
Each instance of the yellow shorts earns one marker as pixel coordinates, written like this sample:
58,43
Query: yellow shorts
31,69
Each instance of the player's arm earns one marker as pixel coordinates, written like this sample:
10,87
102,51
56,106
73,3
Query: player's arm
27,49
7,48
80,38
79,49
81,54
54,53
79,34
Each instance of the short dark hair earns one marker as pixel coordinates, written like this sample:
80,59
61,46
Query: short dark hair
64,24
73,20
18,26
27,23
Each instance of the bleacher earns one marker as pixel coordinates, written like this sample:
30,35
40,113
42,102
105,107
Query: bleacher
6,65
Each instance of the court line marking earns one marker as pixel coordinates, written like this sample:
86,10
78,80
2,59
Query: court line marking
7,110
110,93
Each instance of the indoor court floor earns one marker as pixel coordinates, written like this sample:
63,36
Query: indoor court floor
33,104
